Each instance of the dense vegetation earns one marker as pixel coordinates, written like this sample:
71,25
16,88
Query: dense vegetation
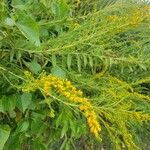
74,74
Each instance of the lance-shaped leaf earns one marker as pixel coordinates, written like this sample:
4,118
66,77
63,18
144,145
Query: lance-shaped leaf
28,27
4,134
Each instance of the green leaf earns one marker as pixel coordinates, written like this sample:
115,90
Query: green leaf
22,126
1,106
18,2
9,103
69,59
143,67
44,2
60,10
4,134
57,71
54,62
34,66
14,141
79,63
36,124
38,146
64,129
67,146
28,27
3,12
76,130
84,60
91,61
55,8
22,4
64,9
26,100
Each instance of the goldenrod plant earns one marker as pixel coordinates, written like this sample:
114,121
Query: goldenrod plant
74,74
65,88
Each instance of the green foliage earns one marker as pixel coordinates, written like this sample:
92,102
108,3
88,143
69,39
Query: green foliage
28,27
101,46
4,134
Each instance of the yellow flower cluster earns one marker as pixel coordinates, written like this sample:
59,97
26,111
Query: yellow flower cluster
65,88
134,19
91,119
112,18
141,96
32,82
140,116
138,17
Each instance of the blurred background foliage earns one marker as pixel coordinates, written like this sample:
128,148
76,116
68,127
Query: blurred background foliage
101,46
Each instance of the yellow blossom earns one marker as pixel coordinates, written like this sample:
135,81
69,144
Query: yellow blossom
65,88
